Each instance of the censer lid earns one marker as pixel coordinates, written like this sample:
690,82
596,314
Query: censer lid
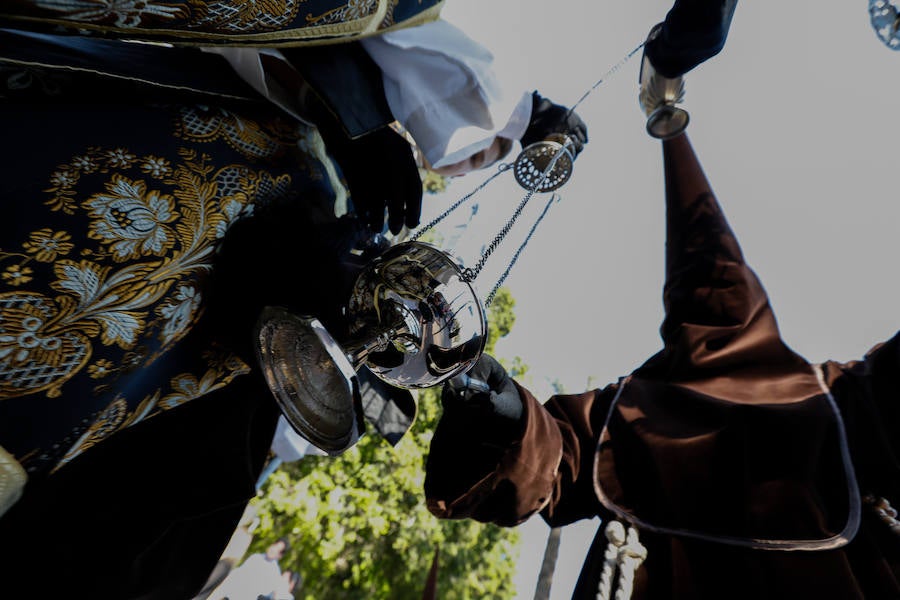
311,378
531,166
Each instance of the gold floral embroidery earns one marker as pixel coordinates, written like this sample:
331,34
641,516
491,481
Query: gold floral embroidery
353,10
120,158
250,138
142,280
119,13
221,370
47,244
85,164
132,219
237,16
179,310
61,184
107,423
156,167
34,355
100,369
241,22
17,275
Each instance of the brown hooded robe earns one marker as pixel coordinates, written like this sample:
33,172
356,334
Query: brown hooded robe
748,472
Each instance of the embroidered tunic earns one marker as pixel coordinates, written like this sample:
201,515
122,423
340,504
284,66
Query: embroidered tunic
231,22
114,205
148,216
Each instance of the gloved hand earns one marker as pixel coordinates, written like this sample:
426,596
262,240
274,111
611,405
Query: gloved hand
381,173
479,426
548,118
485,392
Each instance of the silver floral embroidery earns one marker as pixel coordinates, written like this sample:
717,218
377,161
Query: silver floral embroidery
126,13
132,218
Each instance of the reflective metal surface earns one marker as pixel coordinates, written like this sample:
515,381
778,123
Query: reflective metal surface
534,160
658,96
312,380
415,322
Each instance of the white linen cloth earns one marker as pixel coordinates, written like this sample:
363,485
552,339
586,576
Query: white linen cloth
441,87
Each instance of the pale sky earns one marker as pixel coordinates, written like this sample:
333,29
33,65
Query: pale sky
795,123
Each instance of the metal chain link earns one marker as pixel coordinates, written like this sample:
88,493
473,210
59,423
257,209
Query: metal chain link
469,274
503,167
607,75
515,257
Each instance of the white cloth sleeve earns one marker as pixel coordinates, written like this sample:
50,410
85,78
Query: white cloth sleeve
441,87
288,445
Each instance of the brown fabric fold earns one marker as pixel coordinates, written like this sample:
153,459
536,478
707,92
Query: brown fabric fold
718,316
725,433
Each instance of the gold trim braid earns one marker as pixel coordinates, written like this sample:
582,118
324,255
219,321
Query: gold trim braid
288,36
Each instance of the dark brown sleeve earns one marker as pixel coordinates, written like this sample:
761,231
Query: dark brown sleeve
547,467
883,366
868,394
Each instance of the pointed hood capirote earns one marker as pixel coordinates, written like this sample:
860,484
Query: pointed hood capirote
726,433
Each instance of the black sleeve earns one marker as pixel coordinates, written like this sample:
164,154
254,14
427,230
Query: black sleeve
868,394
147,513
693,32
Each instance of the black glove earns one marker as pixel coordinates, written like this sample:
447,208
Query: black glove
347,104
486,391
483,418
381,173
548,118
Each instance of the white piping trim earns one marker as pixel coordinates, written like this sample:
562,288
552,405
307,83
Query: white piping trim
830,543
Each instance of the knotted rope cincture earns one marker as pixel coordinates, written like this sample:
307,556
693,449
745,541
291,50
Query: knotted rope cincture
624,554
885,512
12,480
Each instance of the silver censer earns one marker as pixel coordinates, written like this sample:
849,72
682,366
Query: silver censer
414,321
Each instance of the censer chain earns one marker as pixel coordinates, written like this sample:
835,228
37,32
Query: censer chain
612,70
515,257
502,168
469,274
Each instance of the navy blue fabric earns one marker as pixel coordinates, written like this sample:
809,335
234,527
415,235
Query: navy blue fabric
692,32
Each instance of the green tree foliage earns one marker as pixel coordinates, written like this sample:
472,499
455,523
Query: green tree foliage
501,317
432,183
359,527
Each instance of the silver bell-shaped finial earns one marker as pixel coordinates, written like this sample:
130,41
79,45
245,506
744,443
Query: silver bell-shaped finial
658,97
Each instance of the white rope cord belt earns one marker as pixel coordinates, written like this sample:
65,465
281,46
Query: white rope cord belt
624,554
885,512
12,480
